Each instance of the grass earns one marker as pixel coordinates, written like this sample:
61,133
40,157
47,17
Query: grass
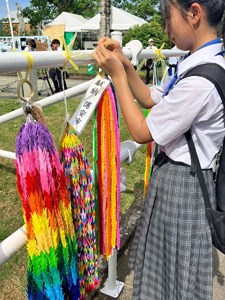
82,69
13,273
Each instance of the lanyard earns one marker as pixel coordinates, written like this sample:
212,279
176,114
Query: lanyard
173,81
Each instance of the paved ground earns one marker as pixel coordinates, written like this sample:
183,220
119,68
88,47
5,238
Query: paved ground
10,92
126,275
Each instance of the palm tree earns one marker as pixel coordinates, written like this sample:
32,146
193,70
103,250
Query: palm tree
105,11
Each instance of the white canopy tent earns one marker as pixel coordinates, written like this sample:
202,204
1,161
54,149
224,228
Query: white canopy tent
73,22
120,21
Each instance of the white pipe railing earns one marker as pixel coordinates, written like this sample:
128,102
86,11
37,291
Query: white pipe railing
53,59
145,53
128,150
41,60
57,59
7,154
51,100
12,244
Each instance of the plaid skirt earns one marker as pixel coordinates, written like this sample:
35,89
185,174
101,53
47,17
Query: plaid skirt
172,250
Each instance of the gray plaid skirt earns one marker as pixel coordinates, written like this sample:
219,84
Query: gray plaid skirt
172,249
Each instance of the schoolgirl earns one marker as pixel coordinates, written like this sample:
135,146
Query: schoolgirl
172,249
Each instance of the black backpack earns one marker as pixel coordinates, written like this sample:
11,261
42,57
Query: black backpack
216,218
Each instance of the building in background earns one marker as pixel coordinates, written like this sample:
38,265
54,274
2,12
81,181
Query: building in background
15,23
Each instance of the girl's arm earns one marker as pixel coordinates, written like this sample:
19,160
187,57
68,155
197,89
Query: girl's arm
139,90
134,119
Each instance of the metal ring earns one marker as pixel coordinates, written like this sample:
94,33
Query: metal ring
31,90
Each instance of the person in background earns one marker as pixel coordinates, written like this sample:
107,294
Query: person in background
149,62
173,60
55,73
31,45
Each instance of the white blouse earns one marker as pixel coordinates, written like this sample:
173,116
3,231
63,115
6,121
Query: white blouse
193,103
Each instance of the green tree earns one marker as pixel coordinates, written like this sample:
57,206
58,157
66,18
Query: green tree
39,12
142,33
141,8
43,11
5,27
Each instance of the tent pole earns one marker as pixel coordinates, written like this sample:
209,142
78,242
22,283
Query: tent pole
10,22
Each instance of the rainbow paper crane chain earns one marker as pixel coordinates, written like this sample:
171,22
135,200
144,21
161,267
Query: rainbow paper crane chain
79,184
152,150
52,250
107,172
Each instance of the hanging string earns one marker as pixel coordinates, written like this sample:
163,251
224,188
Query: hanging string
68,51
30,62
152,149
64,95
67,117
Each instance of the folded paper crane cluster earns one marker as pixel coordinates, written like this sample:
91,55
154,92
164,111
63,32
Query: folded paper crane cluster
79,184
52,249
107,171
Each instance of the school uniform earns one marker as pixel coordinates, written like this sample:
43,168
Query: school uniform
173,60
56,76
172,248
28,49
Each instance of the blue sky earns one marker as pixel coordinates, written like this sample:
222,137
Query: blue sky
12,6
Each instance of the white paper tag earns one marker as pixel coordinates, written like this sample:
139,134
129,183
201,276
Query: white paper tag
90,101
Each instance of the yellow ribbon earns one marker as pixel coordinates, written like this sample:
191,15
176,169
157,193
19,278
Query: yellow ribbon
158,52
30,62
101,73
107,42
68,51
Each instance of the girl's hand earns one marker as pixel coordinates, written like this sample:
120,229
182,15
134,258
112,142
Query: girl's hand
114,47
109,62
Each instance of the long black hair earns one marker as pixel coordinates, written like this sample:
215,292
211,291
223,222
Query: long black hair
214,10
33,43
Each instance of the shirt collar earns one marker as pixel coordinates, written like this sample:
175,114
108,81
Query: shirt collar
201,55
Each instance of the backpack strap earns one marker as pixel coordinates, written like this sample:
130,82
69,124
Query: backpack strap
216,74
195,164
